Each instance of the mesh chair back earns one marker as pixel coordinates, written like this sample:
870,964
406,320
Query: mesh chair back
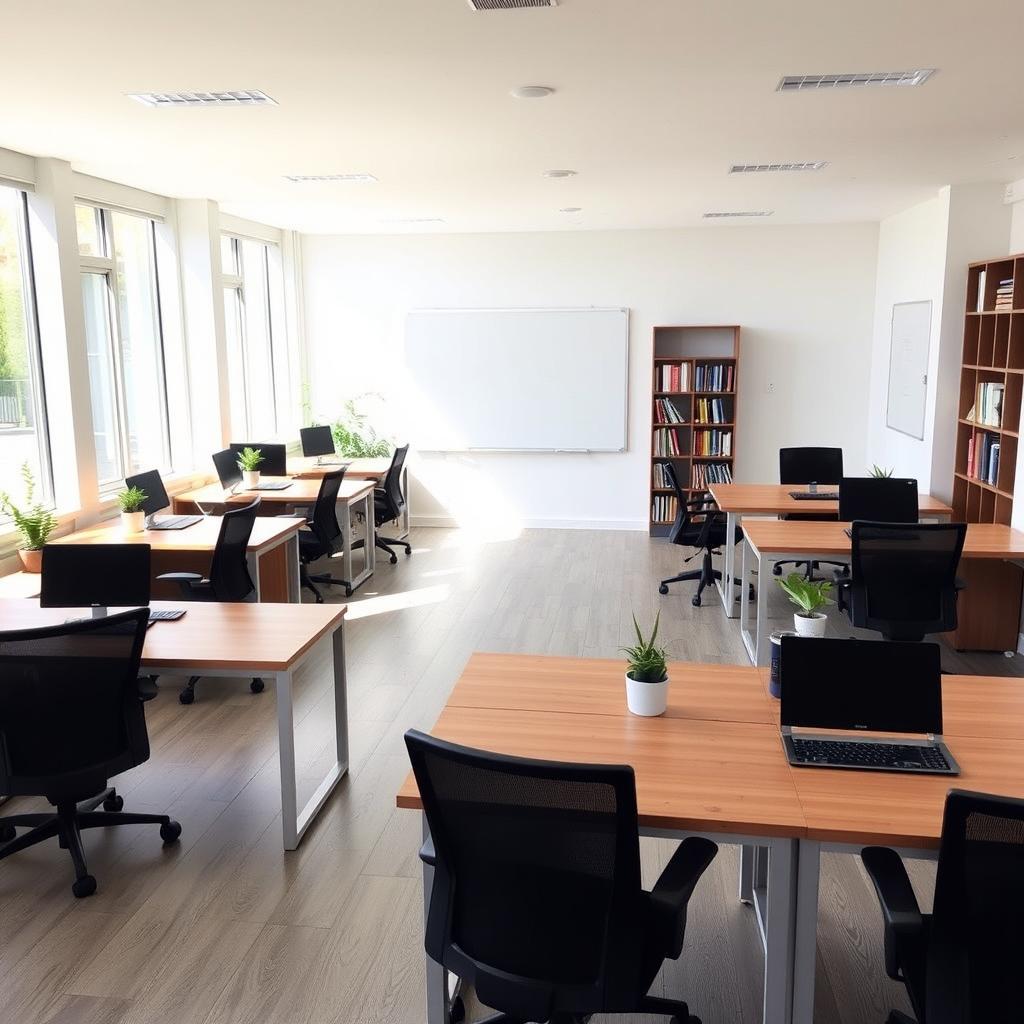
229,571
394,500
70,715
878,499
810,465
324,522
904,577
698,523
537,882
977,929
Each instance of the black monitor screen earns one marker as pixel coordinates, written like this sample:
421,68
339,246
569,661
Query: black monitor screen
105,575
275,457
226,464
881,686
317,441
153,485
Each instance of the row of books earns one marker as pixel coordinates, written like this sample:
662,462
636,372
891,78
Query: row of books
987,410
663,508
712,443
711,410
717,377
705,473
666,442
1004,294
673,377
983,458
666,412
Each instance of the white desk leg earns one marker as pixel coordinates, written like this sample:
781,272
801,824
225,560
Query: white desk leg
369,533
747,873
404,521
252,561
437,976
749,641
805,943
346,542
779,931
291,555
761,639
729,590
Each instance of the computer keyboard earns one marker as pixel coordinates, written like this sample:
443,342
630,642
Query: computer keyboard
882,534
880,756
273,485
814,495
175,522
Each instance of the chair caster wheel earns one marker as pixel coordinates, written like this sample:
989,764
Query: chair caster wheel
776,570
695,600
348,591
663,589
170,833
7,833
256,686
319,599
113,803
187,696
393,559
84,886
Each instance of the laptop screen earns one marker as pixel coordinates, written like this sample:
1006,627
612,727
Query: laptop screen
874,685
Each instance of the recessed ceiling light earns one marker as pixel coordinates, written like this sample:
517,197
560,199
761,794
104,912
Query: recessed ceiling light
571,209
857,80
329,177
532,92
233,98
740,213
559,174
815,165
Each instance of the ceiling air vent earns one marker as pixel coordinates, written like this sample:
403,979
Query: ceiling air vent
329,177
509,5
815,165
915,76
739,213
233,98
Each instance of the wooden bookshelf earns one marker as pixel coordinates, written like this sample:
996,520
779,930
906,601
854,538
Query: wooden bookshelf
698,349
993,353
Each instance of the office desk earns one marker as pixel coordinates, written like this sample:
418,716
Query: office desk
243,640
739,500
353,494
357,469
703,774
272,553
770,540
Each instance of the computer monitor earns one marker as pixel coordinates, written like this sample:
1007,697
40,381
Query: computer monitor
316,441
99,576
153,485
226,464
871,685
275,457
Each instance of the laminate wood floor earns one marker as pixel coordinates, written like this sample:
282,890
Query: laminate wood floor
227,929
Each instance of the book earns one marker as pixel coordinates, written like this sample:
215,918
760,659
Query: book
981,290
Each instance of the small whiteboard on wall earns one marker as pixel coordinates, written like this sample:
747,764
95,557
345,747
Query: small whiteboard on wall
518,379
908,367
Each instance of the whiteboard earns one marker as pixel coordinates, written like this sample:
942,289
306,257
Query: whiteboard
908,367
518,379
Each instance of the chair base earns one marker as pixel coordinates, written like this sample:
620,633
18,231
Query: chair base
67,824
188,693
810,567
707,575
677,1012
389,545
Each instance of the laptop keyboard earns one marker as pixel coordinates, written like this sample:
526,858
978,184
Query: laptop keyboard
176,522
165,614
814,496
899,757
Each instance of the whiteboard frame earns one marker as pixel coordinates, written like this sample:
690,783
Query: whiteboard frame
888,396
538,309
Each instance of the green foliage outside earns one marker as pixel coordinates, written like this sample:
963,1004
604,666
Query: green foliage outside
646,661
354,438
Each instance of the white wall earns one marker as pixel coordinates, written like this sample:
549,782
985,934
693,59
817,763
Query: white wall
803,295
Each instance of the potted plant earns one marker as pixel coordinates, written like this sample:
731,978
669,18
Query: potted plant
353,438
34,521
809,596
646,674
249,460
880,472
133,518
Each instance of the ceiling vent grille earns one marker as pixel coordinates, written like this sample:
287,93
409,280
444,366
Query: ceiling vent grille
233,98
509,5
329,177
915,76
738,213
809,165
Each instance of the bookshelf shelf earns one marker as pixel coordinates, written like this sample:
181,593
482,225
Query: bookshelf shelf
705,360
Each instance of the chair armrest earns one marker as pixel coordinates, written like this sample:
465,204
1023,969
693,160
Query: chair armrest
672,891
427,854
904,923
181,577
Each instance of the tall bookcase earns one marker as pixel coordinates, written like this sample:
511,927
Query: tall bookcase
993,360
703,398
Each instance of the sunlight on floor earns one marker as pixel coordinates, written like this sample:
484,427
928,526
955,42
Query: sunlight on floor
396,602
484,514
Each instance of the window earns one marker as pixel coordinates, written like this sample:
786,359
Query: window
250,280
124,342
23,436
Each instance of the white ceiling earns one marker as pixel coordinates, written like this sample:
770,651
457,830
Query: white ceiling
655,99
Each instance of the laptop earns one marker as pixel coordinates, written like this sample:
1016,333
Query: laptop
835,687
156,500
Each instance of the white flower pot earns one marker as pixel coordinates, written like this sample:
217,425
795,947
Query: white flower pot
133,522
647,699
251,477
810,625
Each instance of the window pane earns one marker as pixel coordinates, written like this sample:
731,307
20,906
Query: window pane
236,364
99,347
258,357
228,255
22,428
90,231
139,334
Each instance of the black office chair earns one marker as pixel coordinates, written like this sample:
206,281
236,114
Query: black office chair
322,536
70,718
802,466
229,578
878,499
961,963
388,505
903,580
275,456
700,525
536,897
